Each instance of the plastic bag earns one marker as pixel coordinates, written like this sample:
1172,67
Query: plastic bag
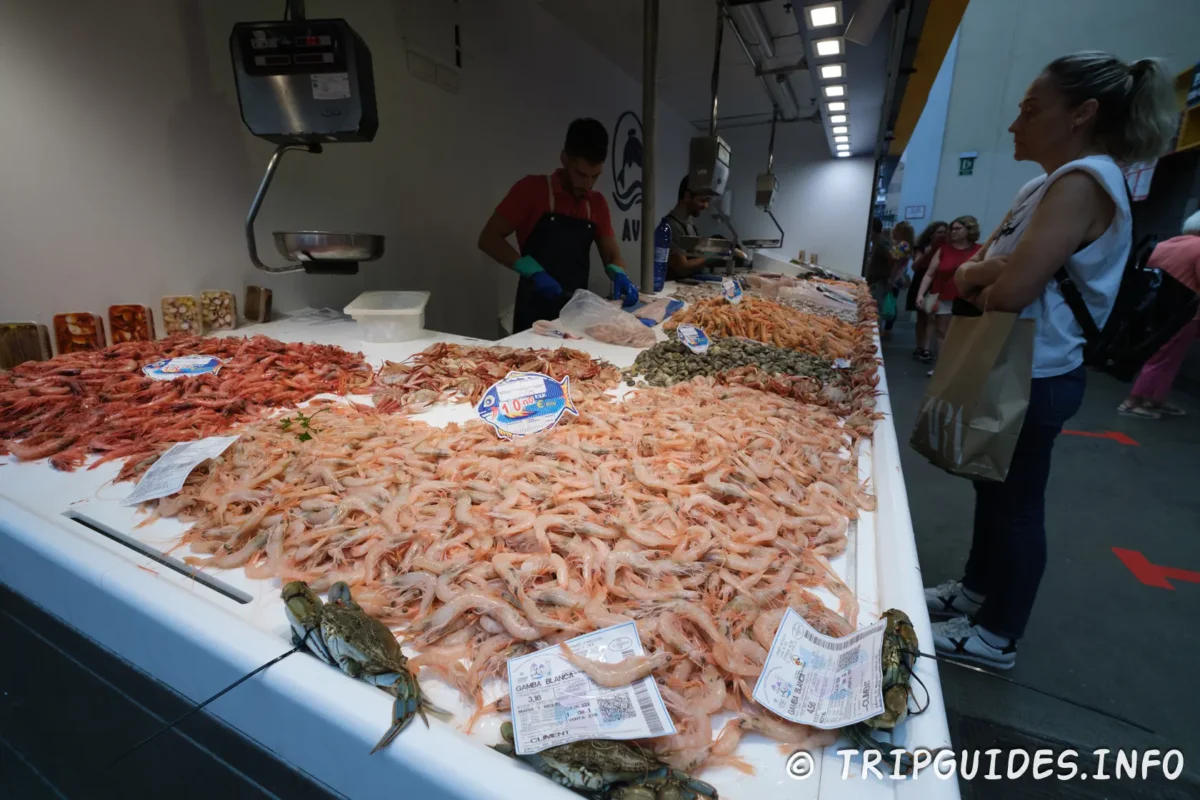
888,312
589,314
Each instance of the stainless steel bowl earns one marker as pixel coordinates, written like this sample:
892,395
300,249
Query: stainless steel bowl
324,246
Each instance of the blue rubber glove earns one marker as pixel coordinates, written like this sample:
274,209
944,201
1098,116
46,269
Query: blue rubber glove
623,288
543,283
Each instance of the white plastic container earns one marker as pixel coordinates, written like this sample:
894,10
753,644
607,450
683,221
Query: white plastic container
389,316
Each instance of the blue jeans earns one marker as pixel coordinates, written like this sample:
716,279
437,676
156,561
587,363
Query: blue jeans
1008,551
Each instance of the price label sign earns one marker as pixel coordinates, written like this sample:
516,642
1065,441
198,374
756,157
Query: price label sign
731,290
693,338
525,403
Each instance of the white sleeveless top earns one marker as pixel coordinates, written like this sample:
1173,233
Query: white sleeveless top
1096,269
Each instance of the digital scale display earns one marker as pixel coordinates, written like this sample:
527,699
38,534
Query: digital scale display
284,49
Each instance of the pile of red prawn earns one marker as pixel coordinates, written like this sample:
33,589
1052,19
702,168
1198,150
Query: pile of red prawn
856,401
699,511
100,401
453,371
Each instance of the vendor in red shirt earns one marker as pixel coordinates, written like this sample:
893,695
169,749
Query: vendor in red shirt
556,218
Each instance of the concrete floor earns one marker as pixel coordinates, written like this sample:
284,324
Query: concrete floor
1099,636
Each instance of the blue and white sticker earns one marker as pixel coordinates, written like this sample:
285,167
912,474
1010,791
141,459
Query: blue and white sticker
732,290
525,403
693,338
182,367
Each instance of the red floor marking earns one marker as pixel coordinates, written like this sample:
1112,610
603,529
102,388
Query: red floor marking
1154,574
1116,436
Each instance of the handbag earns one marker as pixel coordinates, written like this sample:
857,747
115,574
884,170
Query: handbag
930,303
975,403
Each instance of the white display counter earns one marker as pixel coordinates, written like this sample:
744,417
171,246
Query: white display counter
67,545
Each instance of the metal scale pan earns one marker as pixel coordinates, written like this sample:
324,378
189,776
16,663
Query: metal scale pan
302,84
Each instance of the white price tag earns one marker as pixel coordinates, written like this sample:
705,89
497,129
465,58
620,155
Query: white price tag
693,338
553,702
167,475
732,290
817,680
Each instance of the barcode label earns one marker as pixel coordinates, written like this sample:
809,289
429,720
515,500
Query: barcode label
647,708
820,680
554,702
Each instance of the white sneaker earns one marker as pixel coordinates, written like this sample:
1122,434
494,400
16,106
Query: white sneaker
950,600
959,640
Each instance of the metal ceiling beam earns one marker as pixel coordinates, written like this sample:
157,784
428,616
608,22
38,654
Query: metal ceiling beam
778,89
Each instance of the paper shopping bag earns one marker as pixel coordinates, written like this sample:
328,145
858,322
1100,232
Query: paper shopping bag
975,403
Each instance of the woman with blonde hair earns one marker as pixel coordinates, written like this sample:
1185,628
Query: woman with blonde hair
938,292
1082,118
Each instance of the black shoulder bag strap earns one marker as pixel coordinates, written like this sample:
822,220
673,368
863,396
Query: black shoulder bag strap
1071,293
1075,302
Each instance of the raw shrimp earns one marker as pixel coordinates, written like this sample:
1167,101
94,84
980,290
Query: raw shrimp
621,673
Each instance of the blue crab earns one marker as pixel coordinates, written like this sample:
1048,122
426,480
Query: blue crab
341,634
609,770
900,651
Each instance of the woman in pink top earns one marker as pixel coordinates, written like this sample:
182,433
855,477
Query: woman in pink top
1180,258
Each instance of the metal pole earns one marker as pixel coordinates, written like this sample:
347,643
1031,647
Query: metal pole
716,73
771,144
649,133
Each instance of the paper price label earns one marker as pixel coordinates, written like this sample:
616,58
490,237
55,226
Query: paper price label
167,475
732,290
169,369
525,403
554,702
817,680
693,338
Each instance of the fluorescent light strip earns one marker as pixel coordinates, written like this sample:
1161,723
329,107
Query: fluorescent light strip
837,90
838,119
838,106
841,139
829,71
843,147
841,129
843,155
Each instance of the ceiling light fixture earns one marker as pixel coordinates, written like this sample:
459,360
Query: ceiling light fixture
837,90
838,106
843,155
823,15
841,139
828,47
833,71
843,147
837,118
841,129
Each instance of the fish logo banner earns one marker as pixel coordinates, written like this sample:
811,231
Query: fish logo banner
182,367
524,403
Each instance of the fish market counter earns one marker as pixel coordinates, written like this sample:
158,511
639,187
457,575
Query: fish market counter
68,545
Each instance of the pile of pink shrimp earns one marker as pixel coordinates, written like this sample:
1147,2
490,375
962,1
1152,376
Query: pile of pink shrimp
701,512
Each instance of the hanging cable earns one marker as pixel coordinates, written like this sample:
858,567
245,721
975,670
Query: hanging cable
194,709
1085,706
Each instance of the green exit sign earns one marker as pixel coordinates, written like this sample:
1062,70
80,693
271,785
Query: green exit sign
966,163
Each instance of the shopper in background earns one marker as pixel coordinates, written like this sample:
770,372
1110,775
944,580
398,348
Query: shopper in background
1082,116
879,264
937,291
929,242
1180,258
901,256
